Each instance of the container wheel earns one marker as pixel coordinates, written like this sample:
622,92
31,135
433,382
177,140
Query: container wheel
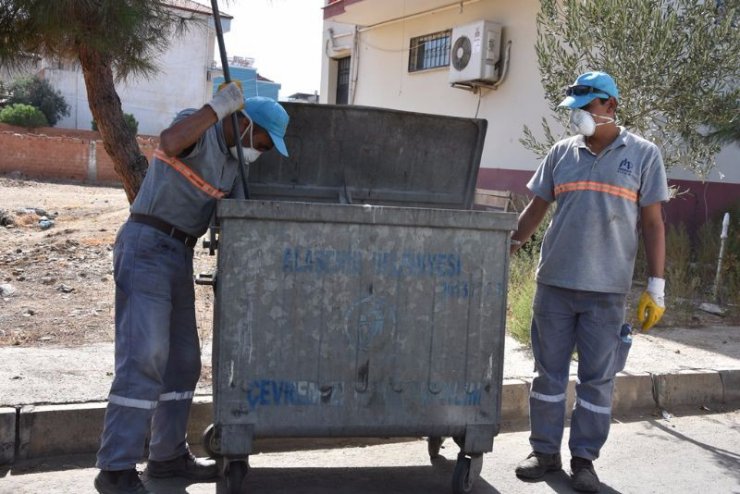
434,444
236,473
211,443
462,481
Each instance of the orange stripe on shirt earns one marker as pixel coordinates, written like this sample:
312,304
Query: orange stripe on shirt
189,174
596,187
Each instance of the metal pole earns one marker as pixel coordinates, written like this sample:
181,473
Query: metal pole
227,79
723,237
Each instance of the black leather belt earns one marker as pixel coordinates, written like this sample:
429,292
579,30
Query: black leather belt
165,228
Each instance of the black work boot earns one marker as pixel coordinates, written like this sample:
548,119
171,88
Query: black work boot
583,476
538,464
119,482
186,466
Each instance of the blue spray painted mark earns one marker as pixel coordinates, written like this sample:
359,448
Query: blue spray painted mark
269,392
417,264
299,259
321,261
456,289
454,394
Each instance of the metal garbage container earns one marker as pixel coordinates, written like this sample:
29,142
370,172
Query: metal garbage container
346,320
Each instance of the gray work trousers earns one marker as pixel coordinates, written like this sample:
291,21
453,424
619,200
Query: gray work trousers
590,322
157,352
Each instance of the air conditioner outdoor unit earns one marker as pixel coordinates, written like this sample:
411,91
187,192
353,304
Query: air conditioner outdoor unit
475,52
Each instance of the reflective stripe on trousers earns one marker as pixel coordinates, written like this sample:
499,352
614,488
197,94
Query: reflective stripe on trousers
590,322
157,356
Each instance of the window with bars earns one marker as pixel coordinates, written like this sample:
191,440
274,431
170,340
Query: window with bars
430,51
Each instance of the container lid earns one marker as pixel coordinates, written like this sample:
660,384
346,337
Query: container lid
365,155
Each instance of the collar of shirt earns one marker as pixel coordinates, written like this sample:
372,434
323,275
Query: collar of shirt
617,142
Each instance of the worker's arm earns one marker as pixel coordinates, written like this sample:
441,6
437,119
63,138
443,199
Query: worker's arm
184,133
528,222
653,233
651,306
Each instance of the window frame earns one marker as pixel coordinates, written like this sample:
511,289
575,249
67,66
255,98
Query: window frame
430,51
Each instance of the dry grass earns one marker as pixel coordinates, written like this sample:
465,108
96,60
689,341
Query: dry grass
691,266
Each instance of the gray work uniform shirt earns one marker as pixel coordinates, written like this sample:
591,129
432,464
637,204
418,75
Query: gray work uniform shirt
169,196
591,242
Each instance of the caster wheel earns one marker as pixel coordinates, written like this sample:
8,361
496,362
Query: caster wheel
434,444
462,481
211,444
236,473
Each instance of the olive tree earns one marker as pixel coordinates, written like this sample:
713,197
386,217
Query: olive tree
676,64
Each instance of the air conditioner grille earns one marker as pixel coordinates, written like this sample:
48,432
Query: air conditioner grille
461,53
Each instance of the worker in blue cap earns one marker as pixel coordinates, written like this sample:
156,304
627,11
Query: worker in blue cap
603,179
157,352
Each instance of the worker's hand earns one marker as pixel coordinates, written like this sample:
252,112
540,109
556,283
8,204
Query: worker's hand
651,306
228,99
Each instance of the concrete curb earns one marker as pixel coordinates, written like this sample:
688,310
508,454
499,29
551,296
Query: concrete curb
31,432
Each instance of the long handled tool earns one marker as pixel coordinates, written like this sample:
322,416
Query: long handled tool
227,79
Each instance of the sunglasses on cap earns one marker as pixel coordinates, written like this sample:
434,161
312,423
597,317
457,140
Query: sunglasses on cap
582,90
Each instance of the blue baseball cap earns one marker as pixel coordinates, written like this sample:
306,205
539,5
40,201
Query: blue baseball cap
588,87
271,116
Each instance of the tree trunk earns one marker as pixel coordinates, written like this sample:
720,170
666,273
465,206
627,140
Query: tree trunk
119,141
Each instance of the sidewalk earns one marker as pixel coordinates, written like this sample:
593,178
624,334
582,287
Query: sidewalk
681,455
55,375
52,399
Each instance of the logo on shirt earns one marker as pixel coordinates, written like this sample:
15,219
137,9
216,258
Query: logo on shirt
625,167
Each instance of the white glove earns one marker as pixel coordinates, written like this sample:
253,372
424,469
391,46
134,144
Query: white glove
656,289
227,100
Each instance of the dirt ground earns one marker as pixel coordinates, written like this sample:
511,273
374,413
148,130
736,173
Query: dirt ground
57,283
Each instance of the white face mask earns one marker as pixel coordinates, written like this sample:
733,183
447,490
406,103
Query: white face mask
250,154
582,122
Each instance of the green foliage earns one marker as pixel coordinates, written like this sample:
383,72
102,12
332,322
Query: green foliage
40,94
522,284
131,123
676,64
23,116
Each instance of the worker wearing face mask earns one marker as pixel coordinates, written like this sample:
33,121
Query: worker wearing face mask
157,352
604,180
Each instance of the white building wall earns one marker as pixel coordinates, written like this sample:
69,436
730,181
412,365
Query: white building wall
182,82
380,66
383,78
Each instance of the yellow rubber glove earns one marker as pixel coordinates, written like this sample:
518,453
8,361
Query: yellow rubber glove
651,306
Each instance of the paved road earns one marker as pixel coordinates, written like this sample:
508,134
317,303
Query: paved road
688,454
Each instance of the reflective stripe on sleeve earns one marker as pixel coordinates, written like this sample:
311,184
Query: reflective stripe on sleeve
548,398
132,402
594,408
175,395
